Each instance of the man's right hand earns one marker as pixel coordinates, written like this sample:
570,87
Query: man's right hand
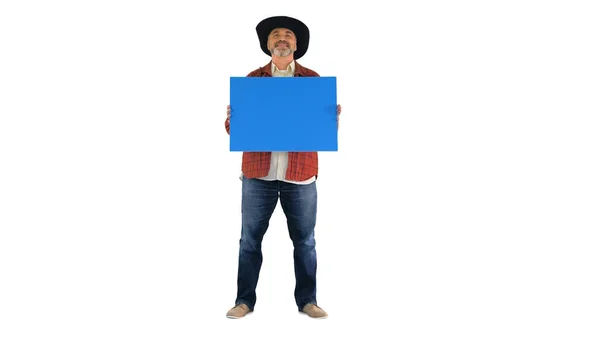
227,121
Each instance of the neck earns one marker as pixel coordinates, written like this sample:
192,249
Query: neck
283,62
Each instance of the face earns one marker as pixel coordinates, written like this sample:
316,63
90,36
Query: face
282,42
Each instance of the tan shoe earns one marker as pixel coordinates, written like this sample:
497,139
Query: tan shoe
238,311
314,311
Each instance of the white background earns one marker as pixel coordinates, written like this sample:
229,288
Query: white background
464,199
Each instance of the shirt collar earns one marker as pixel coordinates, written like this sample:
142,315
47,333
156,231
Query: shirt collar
291,67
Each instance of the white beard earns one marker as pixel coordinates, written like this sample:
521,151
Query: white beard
281,53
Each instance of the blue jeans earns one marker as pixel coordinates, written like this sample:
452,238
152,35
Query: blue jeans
299,204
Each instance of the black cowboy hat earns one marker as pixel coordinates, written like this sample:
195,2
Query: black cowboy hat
266,26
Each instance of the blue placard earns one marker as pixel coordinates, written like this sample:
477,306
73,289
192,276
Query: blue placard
294,114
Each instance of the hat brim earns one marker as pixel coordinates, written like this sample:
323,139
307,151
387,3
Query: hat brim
266,26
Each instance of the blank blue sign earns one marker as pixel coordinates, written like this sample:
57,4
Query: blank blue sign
294,114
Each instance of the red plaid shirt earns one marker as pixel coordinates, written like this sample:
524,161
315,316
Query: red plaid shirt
301,165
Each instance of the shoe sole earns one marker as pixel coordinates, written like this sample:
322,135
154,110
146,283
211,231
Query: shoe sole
235,317
305,314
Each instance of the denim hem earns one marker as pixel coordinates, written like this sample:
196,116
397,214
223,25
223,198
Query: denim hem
242,302
309,302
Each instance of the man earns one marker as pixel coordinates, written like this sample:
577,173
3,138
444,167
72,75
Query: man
291,177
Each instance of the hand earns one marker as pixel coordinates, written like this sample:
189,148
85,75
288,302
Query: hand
228,111
339,111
